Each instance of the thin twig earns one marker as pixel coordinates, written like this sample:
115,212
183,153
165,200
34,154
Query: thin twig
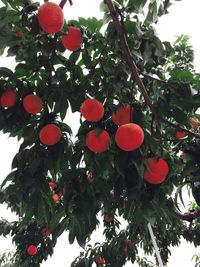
167,83
111,86
127,54
63,2
176,126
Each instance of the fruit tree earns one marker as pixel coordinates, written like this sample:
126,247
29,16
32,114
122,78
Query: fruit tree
138,143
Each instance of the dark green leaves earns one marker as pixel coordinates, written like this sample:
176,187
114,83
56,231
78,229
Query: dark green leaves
136,6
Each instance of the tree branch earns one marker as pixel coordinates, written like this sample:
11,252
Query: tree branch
63,2
176,126
189,216
167,83
127,54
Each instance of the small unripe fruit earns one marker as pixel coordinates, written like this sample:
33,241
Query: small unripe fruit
73,39
92,110
122,115
50,134
129,136
32,250
32,104
8,98
98,142
157,170
51,17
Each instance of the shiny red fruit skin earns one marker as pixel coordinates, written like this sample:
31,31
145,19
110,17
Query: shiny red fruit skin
32,104
51,17
129,136
50,134
52,185
157,170
55,198
32,250
122,115
180,134
98,142
19,35
92,110
8,98
73,39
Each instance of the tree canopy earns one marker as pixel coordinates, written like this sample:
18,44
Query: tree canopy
137,145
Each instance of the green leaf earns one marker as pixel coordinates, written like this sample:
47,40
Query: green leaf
152,14
9,178
5,72
136,5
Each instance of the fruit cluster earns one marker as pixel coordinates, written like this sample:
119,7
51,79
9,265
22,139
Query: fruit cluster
51,20
129,136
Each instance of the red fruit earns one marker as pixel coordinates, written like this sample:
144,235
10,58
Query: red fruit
129,136
8,98
90,177
157,171
112,195
180,134
51,17
101,260
98,142
73,39
55,198
45,231
32,250
194,123
32,104
122,115
19,35
108,218
183,156
126,250
92,110
52,185
60,194
127,241
50,134
123,204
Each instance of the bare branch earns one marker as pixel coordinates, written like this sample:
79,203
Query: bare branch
189,216
127,54
63,2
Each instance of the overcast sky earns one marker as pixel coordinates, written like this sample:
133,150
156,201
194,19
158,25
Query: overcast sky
183,18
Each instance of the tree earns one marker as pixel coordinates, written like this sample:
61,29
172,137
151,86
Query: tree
128,169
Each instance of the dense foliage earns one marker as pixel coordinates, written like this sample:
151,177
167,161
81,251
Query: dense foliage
63,186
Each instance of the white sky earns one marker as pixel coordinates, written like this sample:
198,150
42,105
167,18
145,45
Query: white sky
183,18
